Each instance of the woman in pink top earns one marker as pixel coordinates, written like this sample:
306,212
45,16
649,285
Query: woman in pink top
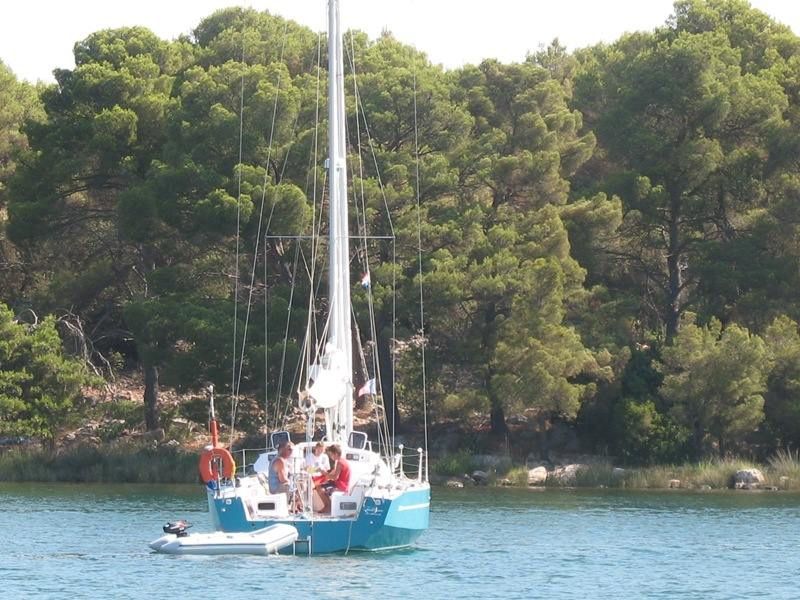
337,479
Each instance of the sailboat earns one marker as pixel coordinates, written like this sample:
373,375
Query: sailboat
381,508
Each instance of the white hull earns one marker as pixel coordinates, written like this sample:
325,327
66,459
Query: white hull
261,542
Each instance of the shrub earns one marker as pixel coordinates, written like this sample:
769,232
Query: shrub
455,464
39,385
646,435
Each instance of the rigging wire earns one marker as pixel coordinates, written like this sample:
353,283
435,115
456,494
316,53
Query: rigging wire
279,177
258,232
362,224
311,181
393,342
304,358
298,370
316,227
392,236
288,318
266,353
311,321
419,260
238,229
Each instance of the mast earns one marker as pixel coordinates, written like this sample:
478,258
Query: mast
340,418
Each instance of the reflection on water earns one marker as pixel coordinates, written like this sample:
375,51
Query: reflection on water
87,541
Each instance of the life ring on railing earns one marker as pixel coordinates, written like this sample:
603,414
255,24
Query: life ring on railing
216,463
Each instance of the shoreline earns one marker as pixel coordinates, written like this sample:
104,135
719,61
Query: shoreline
86,464
174,464
781,473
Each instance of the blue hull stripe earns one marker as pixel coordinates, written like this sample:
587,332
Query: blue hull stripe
381,524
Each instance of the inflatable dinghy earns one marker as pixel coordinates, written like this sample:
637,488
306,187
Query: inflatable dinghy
262,541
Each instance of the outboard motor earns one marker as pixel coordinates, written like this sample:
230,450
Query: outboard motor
177,527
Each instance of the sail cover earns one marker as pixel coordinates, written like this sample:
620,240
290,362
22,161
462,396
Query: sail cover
329,387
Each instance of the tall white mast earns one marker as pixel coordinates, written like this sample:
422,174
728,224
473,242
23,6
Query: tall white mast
340,340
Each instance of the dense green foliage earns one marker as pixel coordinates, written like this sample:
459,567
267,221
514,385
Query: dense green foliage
39,385
18,105
714,382
609,235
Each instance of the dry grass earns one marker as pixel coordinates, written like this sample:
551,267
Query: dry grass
518,476
86,464
782,471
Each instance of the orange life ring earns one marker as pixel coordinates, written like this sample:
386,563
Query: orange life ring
216,463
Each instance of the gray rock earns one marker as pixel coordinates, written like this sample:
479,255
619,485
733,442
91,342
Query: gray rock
748,477
480,477
534,460
674,483
537,476
617,473
505,482
567,474
454,483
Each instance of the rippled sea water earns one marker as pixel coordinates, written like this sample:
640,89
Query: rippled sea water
90,541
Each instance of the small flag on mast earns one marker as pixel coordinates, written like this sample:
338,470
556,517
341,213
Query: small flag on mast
365,282
368,388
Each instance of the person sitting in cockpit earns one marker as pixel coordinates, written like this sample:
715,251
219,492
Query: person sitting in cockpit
279,470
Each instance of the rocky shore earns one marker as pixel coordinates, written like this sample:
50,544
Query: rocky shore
597,472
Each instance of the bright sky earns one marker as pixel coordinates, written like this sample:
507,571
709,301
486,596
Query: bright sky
37,36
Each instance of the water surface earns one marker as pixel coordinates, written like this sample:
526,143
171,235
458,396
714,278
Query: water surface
90,541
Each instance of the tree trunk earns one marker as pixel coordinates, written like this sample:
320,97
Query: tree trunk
497,416
698,435
674,306
151,413
497,419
